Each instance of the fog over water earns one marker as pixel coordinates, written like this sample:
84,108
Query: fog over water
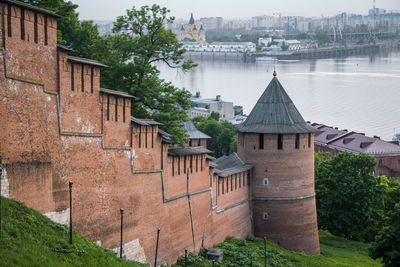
360,93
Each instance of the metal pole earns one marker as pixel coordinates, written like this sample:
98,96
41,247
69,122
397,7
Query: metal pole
213,263
1,173
122,229
265,251
158,237
70,212
185,257
251,261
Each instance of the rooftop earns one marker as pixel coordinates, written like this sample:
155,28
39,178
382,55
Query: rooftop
30,7
86,61
275,113
116,93
228,165
187,151
349,141
189,127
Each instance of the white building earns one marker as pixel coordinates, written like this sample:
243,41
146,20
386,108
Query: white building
226,47
204,107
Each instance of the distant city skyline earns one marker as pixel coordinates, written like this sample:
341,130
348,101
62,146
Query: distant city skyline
109,10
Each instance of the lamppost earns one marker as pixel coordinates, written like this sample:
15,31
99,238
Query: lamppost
70,213
1,176
122,228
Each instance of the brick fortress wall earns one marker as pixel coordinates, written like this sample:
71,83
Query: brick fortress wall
58,126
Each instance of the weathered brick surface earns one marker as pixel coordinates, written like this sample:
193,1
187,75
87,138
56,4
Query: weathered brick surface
52,134
288,195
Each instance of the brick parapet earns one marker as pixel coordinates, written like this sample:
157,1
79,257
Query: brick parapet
54,135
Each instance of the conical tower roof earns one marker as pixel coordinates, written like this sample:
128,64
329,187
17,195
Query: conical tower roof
191,20
275,113
201,27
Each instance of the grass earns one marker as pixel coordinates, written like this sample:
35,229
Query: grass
334,252
31,239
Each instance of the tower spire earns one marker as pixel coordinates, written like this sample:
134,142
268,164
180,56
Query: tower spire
191,20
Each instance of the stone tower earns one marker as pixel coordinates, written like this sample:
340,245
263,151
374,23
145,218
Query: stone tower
277,141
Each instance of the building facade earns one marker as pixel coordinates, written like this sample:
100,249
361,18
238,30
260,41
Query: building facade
334,140
190,32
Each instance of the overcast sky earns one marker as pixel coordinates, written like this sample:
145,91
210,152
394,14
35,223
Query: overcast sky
110,9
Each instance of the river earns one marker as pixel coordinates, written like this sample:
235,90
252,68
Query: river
360,93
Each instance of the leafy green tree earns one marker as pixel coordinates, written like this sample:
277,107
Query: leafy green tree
215,115
349,198
140,42
222,133
387,242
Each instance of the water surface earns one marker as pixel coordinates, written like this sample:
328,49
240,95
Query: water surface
359,93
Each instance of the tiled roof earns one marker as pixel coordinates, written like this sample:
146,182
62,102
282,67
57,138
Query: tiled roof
275,113
116,93
188,151
34,8
193,132
191,20
87,61
151,122
228,165
63,47
166,137
354,142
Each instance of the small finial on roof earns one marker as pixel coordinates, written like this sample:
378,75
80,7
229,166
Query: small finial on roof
274,73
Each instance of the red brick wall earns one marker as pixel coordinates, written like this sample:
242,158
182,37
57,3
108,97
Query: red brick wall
290,174
97,155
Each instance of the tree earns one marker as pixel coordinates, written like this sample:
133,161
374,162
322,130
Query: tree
387,242
215,115
140,42
349,198
222,133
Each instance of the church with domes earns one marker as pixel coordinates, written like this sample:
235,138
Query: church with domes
190,32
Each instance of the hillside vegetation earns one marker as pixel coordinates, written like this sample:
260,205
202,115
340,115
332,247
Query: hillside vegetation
31,239
334,252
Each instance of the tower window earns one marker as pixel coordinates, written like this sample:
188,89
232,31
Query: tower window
297,144
45,30
72,77
116,113
35,25
265,216
280,141
9,20
22,24
265,181
380,162
261,141
173,165
83,78
91,79
309,139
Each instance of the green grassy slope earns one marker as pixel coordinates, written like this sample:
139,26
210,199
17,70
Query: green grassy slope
334,252
31,239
